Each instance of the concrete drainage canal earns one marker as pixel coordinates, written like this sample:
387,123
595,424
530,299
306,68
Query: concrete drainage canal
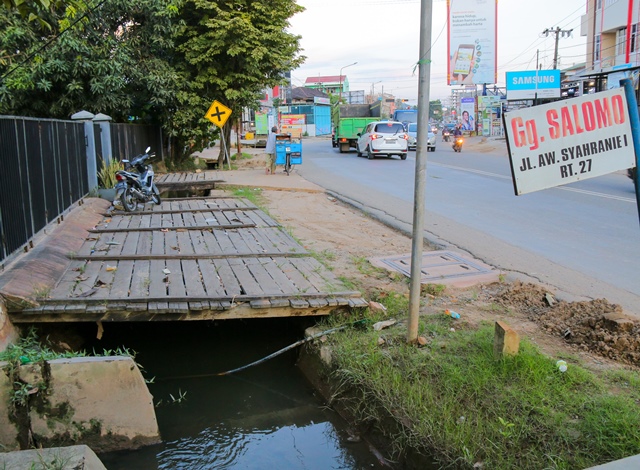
265,416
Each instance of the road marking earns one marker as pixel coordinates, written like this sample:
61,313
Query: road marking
563,188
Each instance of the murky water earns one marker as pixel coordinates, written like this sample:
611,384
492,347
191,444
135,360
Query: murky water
264,417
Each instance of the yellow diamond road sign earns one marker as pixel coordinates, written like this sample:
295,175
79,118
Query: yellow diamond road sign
218,113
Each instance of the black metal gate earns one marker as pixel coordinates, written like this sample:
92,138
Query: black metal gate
44,171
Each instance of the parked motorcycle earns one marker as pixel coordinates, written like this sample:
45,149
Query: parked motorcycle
457,144
135,183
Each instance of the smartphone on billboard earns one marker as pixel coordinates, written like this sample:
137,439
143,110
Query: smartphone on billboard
464,59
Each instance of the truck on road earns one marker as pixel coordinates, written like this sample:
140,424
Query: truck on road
352,118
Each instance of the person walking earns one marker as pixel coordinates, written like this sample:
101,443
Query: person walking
271,152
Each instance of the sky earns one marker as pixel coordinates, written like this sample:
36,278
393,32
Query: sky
383,37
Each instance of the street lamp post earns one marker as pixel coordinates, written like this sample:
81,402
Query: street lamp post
340,96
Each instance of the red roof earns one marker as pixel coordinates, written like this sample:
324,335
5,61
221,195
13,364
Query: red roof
326,79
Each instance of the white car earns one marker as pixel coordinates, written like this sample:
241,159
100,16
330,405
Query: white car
412,132
383,138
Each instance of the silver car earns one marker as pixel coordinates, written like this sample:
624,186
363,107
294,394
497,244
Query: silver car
383,138
412,132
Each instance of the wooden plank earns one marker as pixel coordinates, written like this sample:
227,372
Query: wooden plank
229,282
157,285
240,245
105,279
89,244
299,303
192,279
140,279
149,229
284,283
158,243
176,281
226,246
144,243
211,280
295,275
129,247
262,276
184,242
312,269
249,285
122,280
197,242
211,243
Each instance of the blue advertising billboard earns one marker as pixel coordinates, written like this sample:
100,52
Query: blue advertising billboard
529,84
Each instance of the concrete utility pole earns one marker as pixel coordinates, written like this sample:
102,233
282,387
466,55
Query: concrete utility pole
424,76
557,32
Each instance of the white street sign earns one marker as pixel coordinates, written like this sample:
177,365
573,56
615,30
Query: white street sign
569,140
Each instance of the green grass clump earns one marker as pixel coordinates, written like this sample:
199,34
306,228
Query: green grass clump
451,398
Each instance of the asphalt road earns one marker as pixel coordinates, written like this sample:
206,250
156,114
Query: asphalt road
581,238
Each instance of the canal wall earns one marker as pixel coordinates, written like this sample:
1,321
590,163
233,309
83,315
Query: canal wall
103,402
72,457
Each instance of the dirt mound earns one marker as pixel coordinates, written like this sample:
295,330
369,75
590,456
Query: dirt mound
595,326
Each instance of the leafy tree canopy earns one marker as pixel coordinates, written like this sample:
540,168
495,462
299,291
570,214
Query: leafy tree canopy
152,61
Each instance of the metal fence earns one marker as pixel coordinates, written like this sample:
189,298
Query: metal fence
43,171
129,140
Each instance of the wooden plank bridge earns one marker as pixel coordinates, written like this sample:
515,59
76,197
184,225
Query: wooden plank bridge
188,181
190,259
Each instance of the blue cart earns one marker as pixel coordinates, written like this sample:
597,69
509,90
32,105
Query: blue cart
288,151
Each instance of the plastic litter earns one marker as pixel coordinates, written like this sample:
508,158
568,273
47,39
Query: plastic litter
451,313
562,366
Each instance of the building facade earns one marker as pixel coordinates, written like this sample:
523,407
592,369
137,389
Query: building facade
613,46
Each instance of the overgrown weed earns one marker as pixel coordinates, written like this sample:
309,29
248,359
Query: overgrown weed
451,397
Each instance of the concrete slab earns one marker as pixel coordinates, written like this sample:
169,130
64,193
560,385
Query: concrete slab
623,464
442,267
72,457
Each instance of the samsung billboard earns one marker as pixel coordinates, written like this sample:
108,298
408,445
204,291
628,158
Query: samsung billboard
529,84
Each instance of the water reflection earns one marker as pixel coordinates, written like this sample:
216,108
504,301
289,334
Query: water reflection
263,417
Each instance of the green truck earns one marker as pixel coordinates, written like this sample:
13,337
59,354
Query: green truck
351,120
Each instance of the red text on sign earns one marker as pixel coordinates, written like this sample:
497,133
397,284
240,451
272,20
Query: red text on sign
590,115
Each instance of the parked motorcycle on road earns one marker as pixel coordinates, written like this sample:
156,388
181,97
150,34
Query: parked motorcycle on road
135,183
457,144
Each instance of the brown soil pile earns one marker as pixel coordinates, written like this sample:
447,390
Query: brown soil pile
596,326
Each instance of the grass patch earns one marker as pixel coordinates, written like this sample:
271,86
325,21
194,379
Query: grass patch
242,156
254,195
453,399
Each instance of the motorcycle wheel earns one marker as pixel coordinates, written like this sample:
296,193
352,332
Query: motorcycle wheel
155,197
128,200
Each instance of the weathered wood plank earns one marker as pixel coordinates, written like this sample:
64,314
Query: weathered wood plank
140,279
230,283
237,241
284,283
211,280
129,248
226,246
249,284
176,280
298,279
122,280
262,276
157,276
192,279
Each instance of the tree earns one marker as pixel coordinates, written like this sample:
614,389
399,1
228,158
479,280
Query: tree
230,51
435,110
112,59
152,61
